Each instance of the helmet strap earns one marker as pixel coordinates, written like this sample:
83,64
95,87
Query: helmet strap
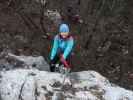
64,38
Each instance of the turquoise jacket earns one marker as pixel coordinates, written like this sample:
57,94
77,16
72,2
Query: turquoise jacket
65,45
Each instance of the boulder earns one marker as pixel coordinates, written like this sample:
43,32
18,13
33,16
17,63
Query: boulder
33,84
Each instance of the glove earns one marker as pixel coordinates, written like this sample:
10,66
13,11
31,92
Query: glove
51,62
52,66
64,61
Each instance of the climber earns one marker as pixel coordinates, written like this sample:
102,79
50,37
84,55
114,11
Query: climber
62,47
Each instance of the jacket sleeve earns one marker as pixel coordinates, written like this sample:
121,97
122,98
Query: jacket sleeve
68,48
54,49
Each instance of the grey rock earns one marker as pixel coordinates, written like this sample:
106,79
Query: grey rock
33,84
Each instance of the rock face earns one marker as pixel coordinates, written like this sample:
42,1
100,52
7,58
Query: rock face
32,84
10,61
37,62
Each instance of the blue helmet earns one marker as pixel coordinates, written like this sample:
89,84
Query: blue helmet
64,28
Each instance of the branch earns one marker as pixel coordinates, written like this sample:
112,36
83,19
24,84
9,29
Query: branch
33,23
118,27
42,18
9,3
88,42
25,21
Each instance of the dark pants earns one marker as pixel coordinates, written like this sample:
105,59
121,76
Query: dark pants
56,60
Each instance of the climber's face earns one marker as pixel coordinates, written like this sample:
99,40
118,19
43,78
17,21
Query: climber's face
64,34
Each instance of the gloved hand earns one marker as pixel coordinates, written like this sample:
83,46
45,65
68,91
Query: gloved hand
51,62
52,66
64,61
61,59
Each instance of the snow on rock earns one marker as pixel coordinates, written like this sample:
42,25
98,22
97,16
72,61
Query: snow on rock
28,89
85,95
37,62
54,15
11,84
33,84
42,1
